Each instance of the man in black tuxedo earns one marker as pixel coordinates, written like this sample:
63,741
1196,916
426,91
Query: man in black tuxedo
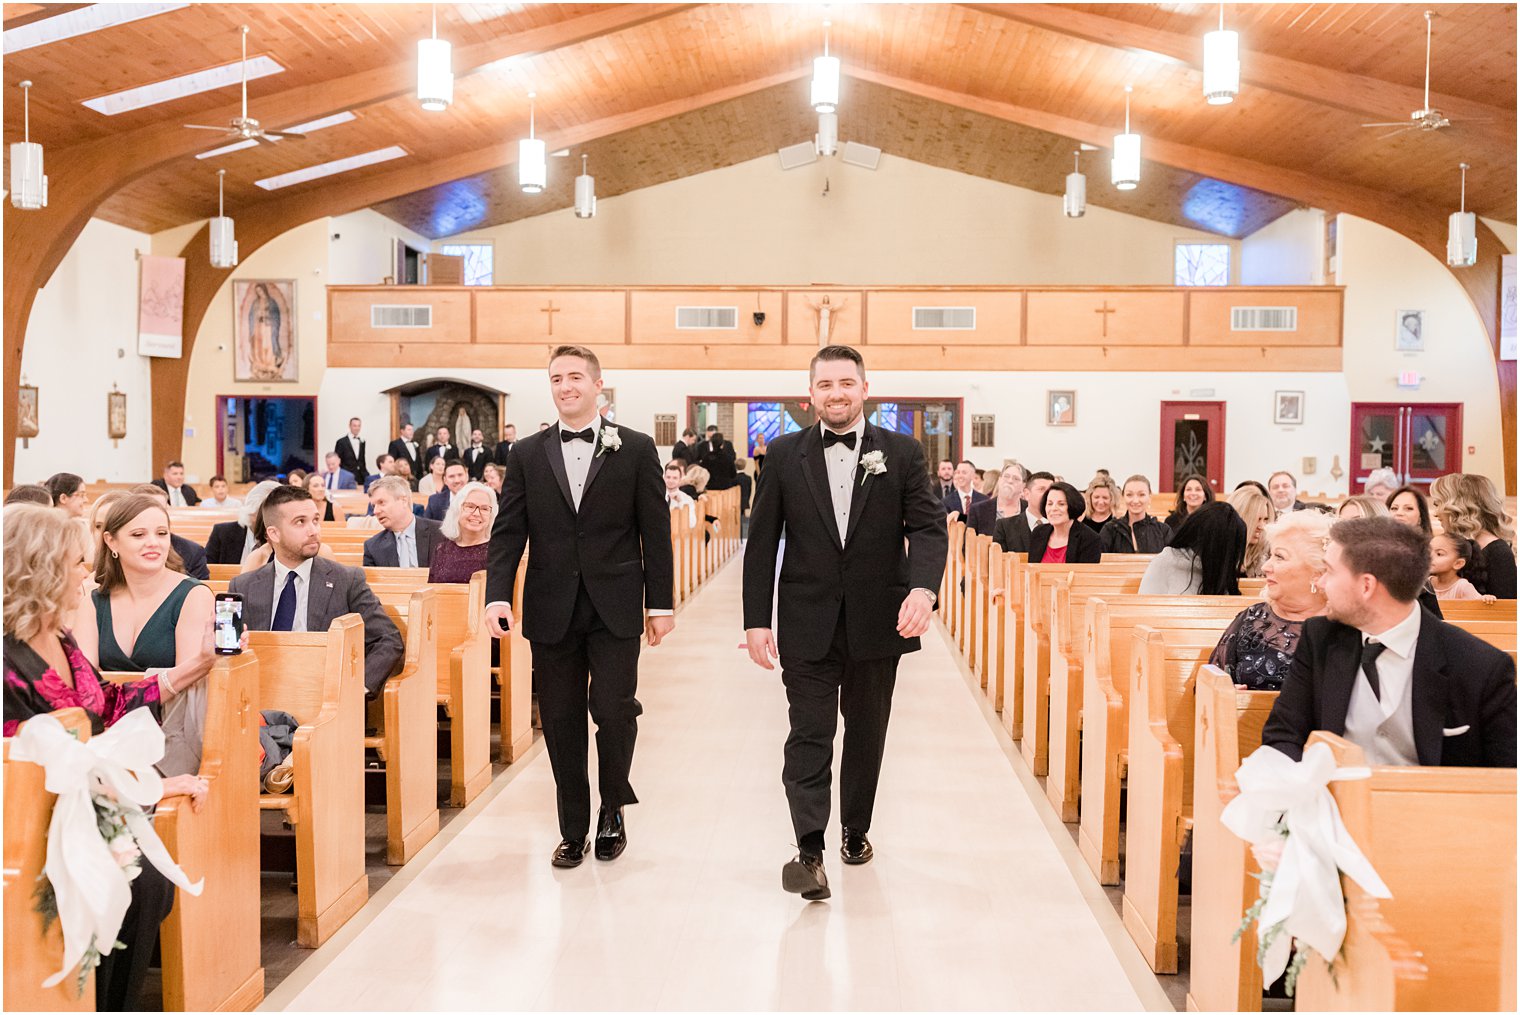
179,492
718,457
1011,534
963,493
504,446
685,448
590,498
1407,688
405,448
351,453
476,455
845,495
450,452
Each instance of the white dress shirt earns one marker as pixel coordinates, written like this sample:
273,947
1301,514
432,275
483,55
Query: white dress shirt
406,545
303,585
577,456
1034,520
964,496
353,442
679,498
843,462
1395,665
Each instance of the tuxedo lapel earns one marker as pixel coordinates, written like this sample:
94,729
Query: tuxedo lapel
1342,664
861,485
556,462
816,471
1427,699
596,462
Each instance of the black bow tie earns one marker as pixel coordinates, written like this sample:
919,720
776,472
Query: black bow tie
830,438
588,435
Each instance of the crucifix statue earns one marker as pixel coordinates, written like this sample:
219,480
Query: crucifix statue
551,310
825,310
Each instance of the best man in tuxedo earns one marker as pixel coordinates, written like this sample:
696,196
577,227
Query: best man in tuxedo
450,452
351,453
845,495
590,499
477,455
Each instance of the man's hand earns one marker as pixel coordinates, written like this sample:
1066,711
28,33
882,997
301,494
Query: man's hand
913,619
656,628
762,647
499,620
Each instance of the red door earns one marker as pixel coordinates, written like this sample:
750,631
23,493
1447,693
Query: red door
1192,441
1419,441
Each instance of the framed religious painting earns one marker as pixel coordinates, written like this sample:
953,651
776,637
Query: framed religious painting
264,330
26,411
1410,333
1060,408
116,415
1288,408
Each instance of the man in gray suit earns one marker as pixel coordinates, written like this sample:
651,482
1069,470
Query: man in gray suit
300,591
407,540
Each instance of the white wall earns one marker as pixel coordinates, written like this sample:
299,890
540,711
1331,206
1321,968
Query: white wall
1289,251
1505,231
81,338
360,247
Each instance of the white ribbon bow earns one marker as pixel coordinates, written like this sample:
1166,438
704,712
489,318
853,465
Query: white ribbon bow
92,890
1305,893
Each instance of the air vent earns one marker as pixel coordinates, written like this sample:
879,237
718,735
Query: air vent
1263,318
944,318
394,315
707,318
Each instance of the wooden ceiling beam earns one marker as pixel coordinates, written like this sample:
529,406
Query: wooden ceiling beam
1364,96
17,15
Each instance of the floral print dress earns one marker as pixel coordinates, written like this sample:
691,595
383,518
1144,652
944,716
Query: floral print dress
32,687
1257,648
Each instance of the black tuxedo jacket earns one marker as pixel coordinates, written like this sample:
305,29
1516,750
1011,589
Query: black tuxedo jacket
868,575
617,544
191,497
720,461
952,501
475,460
1082,546
1012,534
225,544
683,451
449,455
503,449
398,449
348,463
1460,683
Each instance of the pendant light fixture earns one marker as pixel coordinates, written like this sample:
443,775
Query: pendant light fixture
1462,232
1221,64
224,251
585,193
435,73
1126,164
826,78
532,160
827,139
28,184
1075,202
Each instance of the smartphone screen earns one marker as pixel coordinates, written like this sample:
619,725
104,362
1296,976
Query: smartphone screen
228,633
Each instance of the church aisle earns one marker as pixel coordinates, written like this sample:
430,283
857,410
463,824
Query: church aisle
970,902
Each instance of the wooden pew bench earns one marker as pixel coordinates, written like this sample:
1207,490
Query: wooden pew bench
407,740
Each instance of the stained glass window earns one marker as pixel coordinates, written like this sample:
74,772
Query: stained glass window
1202,264
479,261
764,418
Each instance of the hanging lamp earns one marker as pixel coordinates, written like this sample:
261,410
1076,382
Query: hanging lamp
1126,164
435,74
28,184
1462,232
826,78
1074,204
532,160
585,193
224,249
1221,64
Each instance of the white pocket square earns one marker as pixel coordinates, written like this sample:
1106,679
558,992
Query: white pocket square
1455,731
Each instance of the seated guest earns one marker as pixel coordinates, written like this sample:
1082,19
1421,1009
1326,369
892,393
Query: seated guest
1408,505
1405,687
1258,485
1255,510
1257,648
296,478
407,541
983,516
965,494
1101,498
433,482
696,482
1135,531
1203,558
403,468
262,552
493,475
232,542
191,553
1470,506
385,465
29,493
466,536
1011,534
477,454
146,616
47,559
301,591
180,493
1062,539
455,476
1282,487
675,496
944,480
67,492
442,448
1363,505
221,499
1451,556
1193,494
335,477
331,511
1380,484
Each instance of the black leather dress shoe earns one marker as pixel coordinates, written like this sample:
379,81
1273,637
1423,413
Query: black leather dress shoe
611,835
856,848
804,876
570,853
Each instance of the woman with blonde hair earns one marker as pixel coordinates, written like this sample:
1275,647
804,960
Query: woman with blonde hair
1363,505
1101,496
1470,506
696,481
1255,509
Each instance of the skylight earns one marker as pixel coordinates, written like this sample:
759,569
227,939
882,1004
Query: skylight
332,168
185,84
300,128
80,22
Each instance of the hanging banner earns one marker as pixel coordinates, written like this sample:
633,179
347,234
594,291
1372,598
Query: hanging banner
1507,329
161,306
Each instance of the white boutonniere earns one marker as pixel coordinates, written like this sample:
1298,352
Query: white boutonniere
611,440
874,463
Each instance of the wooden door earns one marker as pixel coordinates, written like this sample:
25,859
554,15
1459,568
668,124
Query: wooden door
1192,441
1419,441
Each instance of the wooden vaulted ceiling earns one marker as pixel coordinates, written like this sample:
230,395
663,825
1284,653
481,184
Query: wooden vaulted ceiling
661,91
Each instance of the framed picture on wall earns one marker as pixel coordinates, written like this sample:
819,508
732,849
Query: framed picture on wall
264,330
26,411
1288,408
1060,408
116,415
1410,336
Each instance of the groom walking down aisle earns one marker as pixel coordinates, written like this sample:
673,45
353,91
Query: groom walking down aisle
845,495
590,500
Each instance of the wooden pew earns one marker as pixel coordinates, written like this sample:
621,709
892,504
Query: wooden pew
1222,975
1009,699
1443,841
408,737
997,614
678,529
956,572
318,677
32,953
515,681
971,597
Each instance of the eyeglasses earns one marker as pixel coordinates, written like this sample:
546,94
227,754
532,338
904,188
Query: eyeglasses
474,509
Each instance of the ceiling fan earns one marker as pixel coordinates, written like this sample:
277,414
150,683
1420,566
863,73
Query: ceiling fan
1426,118
245,127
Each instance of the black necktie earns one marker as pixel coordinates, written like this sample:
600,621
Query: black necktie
588,435
1370,652
830,438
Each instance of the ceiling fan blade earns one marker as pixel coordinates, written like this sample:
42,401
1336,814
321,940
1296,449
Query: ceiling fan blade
277,134
1395,133
202,126
1391,123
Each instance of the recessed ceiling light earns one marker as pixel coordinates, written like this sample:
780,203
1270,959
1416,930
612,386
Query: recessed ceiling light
332,168
80,22
300,128
186,84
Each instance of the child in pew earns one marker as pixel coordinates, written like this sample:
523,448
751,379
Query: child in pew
1451,556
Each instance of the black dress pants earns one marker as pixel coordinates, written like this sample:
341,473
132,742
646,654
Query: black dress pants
121,974
589,666
817,692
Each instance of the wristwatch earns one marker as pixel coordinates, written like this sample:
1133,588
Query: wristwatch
932,597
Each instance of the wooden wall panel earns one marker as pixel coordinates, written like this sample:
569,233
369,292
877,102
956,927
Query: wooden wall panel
998,317
652,317
579,317
847,312
1319,316
1106,317
348,313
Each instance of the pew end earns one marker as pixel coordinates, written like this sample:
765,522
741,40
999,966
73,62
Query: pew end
408,740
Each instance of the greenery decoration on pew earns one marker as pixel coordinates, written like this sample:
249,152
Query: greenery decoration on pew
1266,938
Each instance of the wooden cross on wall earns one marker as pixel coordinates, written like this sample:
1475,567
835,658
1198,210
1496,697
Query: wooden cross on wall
551,310
1105,310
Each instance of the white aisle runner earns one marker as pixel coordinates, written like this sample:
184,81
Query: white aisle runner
969,904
